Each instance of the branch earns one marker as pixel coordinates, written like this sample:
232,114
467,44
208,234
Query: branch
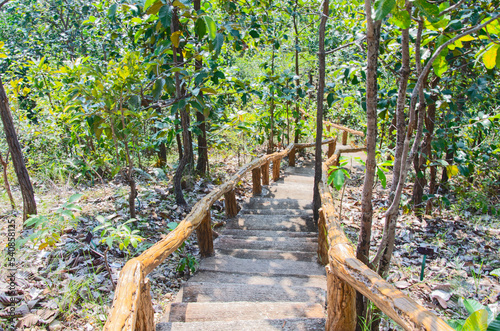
447,10
3,3
343,46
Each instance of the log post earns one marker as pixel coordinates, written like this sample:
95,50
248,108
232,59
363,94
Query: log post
276,169
145,314
257,188
331,148
265,173
322,239
291,158
204,235
341,299
344,138
230,204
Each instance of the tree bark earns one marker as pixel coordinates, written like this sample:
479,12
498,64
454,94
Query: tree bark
297,74
179,91
5,164
23,177
363,248
319,113
202,163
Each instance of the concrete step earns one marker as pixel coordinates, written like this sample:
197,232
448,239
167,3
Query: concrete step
217,292
299,179
272,222
272,243
269,254
281,212
240,311
277,204
255,279
235,233
274,267
295,324
289,191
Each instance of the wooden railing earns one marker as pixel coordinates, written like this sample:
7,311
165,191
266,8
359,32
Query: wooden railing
132,306
346,274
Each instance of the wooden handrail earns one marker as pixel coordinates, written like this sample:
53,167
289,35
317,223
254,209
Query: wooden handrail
132,307
345,129
344,266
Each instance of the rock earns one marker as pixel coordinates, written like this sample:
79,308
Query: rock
56,325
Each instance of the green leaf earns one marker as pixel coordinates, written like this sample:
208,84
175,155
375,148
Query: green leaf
165,16
495,324
472,305
148,4
254,34
451,170
456,324
495,272
383,8
133,241
211,26
109,242
382,177
477,321
440,65
490,56
429,10
112,11
201,28
158,88
219,41
74,198
401,19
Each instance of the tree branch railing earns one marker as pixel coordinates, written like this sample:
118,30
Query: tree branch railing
346,275
132,307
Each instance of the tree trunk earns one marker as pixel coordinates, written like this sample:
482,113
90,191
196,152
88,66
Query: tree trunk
363,249
319,113
297,74
5,164
130,173
29,204
179,91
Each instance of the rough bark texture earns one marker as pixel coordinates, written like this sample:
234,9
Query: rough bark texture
204,235
297,74
291,158
265,173
319,112
372,40
322,240
230,204
257,187
23,178
341,298
202,163
344,138
179,91
331,148
146,313
276,169
5,164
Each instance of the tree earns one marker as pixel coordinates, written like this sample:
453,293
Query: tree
23,177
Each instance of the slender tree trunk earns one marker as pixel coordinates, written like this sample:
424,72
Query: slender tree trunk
5,164
202,164
372,39
319,113
271,110
29,204
178,138
130,173
179,197
297,74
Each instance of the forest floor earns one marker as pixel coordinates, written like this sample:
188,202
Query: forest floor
67,287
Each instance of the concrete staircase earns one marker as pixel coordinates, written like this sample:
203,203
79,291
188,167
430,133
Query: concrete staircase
264,275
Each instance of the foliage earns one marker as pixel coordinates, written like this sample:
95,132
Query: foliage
480,318
120,234
48,228
337,174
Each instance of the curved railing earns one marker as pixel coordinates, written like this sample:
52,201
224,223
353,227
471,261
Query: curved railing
132,306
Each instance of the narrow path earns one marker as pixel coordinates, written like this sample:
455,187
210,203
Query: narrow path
264,275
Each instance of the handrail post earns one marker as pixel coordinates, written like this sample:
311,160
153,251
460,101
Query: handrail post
344,138
265,173
257,188
204,235
331,147
230,204
276,169
291,158
146,313
322,239
341,298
